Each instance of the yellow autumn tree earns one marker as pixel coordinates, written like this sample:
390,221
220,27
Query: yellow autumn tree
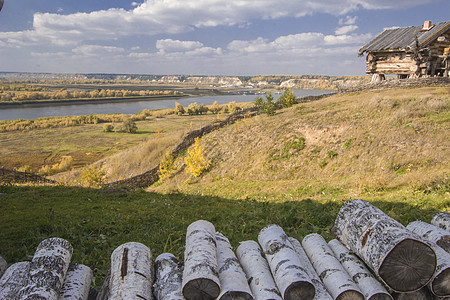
196,162
166,166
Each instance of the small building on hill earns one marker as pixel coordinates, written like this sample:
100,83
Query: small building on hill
410,52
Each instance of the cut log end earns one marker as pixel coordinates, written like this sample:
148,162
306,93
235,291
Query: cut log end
441,284
381,296
350,295
300,290
236,296
409,266
201,289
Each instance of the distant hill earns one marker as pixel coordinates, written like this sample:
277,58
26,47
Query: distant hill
260,81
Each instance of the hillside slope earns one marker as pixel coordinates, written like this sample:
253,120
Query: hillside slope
353,144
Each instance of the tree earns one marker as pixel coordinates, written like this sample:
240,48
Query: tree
196,162
129,126
287,99
179,109
215,108
166,166
268,106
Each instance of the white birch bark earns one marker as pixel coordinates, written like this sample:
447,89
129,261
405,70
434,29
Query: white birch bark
131,272
422,294
441,220
168,278
371,288
392,252
77,283
440,283
200,275
431,233
334,277
290,276
321,291
233,283
48,269
3,266
15,278
257,271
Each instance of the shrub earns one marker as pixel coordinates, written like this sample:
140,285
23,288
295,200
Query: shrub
166,166
232,107
129,126
287,99
25,168
215,108
92,176
108,128
193,109
332,154
268,106
196,162
179,109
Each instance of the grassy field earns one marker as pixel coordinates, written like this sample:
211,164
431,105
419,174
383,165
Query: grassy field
295,169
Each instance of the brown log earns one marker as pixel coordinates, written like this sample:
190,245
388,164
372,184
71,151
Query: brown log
399,257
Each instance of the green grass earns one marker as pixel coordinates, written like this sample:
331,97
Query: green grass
95,222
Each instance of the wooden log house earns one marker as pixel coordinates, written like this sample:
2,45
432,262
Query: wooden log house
410,52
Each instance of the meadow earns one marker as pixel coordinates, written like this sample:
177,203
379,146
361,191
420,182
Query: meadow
294,168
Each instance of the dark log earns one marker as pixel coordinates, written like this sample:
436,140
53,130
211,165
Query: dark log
103,293
422,294
289,274
398,256
201,274
3,266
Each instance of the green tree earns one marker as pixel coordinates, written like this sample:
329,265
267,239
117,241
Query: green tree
269,106
287,99
196,162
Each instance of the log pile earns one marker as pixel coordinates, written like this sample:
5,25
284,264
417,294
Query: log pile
373,257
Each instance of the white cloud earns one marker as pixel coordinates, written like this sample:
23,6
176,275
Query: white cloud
169,45
348,20
96,50
154,17
346,29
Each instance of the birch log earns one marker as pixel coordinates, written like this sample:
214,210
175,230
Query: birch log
334,277
48,269
131,272
371,288
13,280
233,283
200,275
77,283
441,220
422,294
431,233
392,252
103,293
257,271
290,276
168,277
3,266
440,283
321,291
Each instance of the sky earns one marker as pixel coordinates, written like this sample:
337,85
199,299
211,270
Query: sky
201,37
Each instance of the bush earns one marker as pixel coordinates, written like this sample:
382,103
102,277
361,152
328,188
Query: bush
166,166
129,126
92,176
287,99
332,154
268,106
196,162
179,109
108,128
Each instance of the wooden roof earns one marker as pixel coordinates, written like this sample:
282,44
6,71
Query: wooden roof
404,39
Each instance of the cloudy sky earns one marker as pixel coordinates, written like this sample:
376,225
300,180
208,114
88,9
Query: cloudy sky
200,37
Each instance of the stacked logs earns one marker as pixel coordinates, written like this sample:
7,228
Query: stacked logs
373,257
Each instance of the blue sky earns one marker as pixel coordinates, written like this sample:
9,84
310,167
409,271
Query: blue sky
201,37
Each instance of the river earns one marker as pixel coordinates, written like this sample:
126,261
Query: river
30,112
